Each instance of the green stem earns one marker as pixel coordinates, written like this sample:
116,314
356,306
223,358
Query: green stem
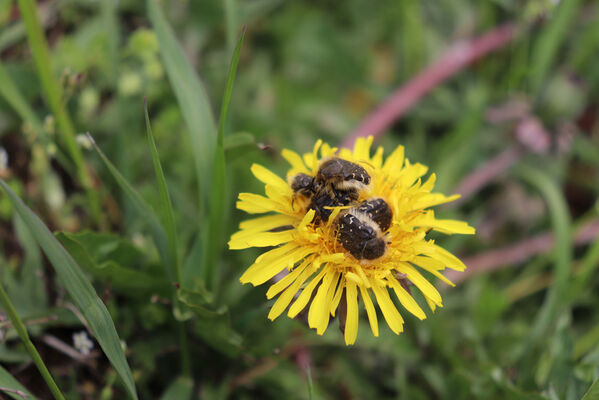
22,331
53,94
185,358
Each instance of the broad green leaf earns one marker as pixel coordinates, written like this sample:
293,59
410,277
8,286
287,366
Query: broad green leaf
191,96
166,208
15,389
144,210
86,249
80,289
180,389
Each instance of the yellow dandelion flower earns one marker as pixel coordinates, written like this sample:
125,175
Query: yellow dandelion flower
318,263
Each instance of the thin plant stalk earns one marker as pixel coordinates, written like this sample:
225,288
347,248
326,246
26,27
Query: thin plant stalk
22,332
53,94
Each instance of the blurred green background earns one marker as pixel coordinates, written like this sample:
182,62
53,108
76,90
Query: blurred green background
522,322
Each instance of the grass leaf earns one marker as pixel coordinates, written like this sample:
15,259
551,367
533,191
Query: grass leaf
166,208
144,210
191,96
213,235
80,289
14,387
549,42
54,96
560,218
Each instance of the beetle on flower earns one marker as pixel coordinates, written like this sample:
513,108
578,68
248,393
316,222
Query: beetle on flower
317,260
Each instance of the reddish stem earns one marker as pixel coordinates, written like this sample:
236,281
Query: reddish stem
453,60
519,252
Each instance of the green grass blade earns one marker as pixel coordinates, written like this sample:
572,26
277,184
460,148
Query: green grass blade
22,332
53,94
222,120
561,222
144,210
18,391
192,99
80,289
549,42
230,23
15,99
593,392
166,211
213,235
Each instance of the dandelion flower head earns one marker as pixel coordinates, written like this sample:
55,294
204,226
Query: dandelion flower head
320,271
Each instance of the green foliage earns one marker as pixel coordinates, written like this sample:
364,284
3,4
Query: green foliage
145,217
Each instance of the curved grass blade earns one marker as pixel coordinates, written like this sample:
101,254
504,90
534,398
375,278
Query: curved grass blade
24,335
11,387
561,221
82,292
213,242
166,211
144,210
192,99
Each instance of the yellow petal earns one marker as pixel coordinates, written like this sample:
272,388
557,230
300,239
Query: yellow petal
291,277
268,177
392,316
411,173
261,239
337,297
318,315
304,297
267,223
431,304
427,289
362,148
433,199
439,253
255,204
377,159
433,266
370,310
264,270
406,299
351,321
447,226
394,162
285,298
295,160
